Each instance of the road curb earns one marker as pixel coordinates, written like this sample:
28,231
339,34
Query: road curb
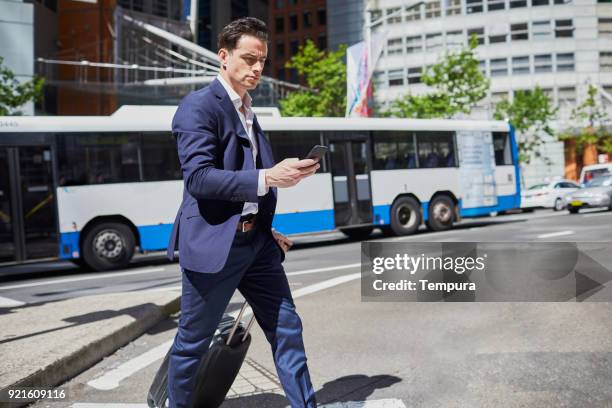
66,367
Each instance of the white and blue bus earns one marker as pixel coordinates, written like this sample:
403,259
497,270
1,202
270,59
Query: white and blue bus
97,189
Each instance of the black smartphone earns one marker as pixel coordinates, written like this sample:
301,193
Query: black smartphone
317,152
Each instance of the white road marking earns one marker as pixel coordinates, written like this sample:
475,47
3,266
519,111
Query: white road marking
83,278
112,378
383,403
556,234
327,269
6,302
104,405
596,214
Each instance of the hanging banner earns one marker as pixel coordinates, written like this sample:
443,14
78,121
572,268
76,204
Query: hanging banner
359,98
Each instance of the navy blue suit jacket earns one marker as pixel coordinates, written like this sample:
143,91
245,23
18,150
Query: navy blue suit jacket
219,177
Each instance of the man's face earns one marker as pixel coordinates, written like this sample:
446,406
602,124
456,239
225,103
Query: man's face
245,63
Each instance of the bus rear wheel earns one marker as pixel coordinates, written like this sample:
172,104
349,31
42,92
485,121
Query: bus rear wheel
405,216
441,213
358,233
108,246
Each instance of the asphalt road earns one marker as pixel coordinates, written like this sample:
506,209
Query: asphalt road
394,355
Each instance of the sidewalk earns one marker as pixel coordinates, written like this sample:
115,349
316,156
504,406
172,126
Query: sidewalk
44,345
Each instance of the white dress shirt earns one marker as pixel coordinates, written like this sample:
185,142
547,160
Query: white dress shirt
246,118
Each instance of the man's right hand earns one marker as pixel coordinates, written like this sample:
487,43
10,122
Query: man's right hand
290,172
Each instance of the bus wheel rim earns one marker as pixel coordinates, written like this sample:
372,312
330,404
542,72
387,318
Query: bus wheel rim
406,216
108,244
442,212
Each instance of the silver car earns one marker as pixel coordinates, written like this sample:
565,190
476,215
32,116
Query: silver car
595,193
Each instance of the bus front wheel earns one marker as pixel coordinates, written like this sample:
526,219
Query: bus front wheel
441,210
405,216
108,246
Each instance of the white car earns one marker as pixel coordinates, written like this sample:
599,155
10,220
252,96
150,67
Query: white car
548,195
594,170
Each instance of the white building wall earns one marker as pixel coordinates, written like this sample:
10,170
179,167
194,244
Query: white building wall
17,41
565,81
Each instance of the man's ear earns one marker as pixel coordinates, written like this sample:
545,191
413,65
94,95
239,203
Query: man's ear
223,55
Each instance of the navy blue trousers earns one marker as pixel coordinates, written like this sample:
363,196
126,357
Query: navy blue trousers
254,267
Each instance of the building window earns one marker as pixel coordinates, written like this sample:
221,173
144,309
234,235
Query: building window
499,67
493,5
375,14
453,7
542,63
394,46
414,44
520,65
433,41
413,13
570,1
473,6
519,31
280,74
567,95
565,62
293,22
280,50
322,41
280,24
322,17
432,9
518,3
605,61
454,39
482,66
414,75
293,75
564,28
605,27
397,18
280,4
541,30
535,3
307,19
499,36
294,47
478,32
396,77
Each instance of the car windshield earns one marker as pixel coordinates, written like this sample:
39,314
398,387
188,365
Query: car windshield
537,186
600,181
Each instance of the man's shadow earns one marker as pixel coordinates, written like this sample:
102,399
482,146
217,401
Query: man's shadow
344,389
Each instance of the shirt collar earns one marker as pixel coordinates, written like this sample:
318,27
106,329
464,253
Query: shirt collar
234,97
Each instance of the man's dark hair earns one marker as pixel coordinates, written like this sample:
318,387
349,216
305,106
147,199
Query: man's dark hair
231,33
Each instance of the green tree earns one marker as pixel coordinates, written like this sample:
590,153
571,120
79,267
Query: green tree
325,74
458,85
590,117
530,113
14,94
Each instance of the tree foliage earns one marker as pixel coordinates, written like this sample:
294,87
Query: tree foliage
457,82
14,94
325,74
530,113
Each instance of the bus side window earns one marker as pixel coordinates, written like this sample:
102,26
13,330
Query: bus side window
501,146
436,149
289,144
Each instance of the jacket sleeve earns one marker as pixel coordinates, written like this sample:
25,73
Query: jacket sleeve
195,129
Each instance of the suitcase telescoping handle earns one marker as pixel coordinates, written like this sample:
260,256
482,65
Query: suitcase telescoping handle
237,322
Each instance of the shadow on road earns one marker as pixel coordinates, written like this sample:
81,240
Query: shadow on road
356,387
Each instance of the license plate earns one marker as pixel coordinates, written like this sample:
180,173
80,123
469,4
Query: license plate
576,203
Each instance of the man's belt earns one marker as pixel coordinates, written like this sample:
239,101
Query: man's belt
246,223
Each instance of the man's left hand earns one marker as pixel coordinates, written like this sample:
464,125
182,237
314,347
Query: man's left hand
284,242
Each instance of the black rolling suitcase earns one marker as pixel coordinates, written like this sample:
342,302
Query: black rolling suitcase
218,368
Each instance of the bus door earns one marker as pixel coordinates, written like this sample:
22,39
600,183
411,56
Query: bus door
350,160
28,220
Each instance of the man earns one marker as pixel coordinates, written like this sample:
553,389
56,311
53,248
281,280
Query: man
223,227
